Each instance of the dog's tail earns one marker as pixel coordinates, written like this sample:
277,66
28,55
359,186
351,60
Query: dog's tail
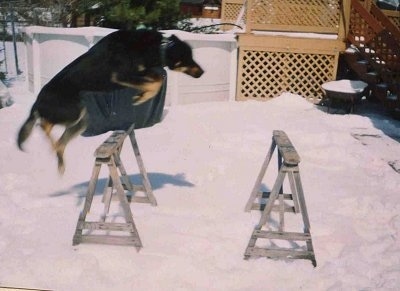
27,127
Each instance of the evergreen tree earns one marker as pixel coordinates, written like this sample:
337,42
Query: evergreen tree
129,14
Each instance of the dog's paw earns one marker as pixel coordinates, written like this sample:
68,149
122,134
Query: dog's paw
61,168
142,98
136,100
60,161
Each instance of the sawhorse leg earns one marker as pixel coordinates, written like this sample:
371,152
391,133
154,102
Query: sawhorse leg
257,186
145,179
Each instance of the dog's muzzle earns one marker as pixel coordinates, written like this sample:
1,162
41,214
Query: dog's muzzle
195,71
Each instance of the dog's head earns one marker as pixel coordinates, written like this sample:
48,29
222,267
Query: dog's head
178,57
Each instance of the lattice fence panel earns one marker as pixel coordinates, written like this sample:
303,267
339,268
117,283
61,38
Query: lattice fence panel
395,20
384,50
294,15
267,74
231,9
393,16
378,45
230,12
360,30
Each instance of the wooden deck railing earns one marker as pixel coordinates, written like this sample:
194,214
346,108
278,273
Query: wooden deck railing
376,38
386,20
230,10
294,15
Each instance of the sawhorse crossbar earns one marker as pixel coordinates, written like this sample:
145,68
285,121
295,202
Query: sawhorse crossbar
288,160
108,153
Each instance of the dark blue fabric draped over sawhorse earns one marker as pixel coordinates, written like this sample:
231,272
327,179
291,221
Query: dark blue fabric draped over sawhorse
114,110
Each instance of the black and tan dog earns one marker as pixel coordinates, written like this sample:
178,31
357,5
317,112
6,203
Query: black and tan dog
119,60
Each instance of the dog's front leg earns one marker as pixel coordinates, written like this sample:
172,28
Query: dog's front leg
149,84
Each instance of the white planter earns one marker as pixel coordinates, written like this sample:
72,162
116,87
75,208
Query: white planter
50,49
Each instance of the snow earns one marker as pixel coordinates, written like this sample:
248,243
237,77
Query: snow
203,160
345,86
5,97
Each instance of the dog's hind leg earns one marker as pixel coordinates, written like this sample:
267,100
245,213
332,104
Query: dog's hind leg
70,132
47,127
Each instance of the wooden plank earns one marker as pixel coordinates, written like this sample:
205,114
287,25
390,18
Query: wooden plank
252,243
261,206
124,176
305,16
270,203
77,238
286,148
265,195
107,197
293,188
112,240
140,199
111,226
111,144
302,202
280,253
283,235
295,28
382,17
132,187
91,188
364,13
260,177
145,179
120,193
224,2
280,43
281,207
391,13
344,20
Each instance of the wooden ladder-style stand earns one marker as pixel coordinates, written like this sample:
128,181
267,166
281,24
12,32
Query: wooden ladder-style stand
288,160
118,186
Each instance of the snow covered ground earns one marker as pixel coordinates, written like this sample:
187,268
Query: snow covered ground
203,160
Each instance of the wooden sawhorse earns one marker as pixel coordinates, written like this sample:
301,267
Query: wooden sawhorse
118,186
288,160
